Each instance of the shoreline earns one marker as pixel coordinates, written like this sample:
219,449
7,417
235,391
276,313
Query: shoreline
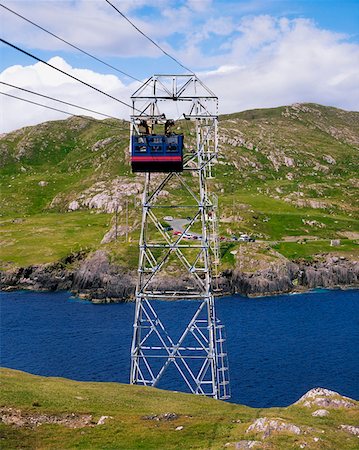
96,279
83,298
306,291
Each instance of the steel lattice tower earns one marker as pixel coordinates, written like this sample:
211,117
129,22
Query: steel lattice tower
198,355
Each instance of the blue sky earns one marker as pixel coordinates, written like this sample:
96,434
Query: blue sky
255,53
336,16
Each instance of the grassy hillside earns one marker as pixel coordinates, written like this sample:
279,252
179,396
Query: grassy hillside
285,175
53,413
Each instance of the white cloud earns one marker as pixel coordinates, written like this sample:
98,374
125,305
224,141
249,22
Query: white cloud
287,61
201,6
258,30
42,79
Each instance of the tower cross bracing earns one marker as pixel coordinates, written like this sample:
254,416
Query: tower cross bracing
198,355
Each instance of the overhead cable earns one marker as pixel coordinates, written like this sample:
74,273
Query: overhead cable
91,119
147,37
71,45
57,100
65,73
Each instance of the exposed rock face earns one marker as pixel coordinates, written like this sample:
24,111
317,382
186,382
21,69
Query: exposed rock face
177,283
330,273
97,278
116,232
112,233
329,159
102,420
50,277
264,282
267,426
18,418
350,429
279,159
243,445
162,417
99,145
314,223
325,398
107,198
320,413
73,206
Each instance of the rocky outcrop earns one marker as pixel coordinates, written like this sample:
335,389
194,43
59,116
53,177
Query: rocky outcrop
332,272
274,280
166,417
117,231
92,277
24,419
243,445
267,426
320,413
49,277
350,429
95,277
106,197
325,398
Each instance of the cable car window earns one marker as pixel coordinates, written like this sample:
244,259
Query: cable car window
141,140
171,148
156,148
157,140
172,144
142,149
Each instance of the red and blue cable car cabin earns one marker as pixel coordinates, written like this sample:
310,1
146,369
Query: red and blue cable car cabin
157,153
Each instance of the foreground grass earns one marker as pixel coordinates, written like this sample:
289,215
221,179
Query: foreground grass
207,423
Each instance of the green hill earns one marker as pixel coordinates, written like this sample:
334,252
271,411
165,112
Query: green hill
287,175
53,413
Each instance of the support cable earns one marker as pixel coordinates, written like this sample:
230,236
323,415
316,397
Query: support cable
91,119
71,45
60,101
67,74
150,39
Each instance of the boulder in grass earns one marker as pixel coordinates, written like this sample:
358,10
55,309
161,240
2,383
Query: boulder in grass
350,429
268,425
320,413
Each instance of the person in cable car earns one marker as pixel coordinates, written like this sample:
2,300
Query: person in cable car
157,152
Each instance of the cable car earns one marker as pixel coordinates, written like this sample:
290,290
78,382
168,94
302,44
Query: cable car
157,152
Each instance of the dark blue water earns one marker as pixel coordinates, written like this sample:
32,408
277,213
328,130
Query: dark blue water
279,347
